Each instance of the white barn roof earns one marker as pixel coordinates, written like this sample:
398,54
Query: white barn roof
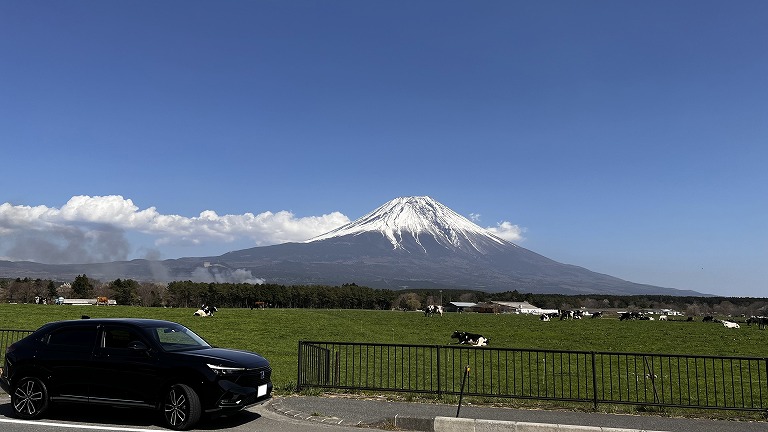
516,305
462,304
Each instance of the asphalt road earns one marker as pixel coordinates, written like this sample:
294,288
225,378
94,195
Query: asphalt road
79,418
340,414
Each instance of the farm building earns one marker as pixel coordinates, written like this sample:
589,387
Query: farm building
517,307
459,306
486,307
82,302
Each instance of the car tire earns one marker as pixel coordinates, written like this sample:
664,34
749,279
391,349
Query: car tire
181,407
29,398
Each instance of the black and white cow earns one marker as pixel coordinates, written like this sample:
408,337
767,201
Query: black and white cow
433,309
206,311
630,316
571,314
473,339
761,321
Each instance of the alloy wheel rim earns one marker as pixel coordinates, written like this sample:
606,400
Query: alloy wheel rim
28,398
175,408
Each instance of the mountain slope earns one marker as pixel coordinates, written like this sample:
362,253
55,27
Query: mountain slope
417,241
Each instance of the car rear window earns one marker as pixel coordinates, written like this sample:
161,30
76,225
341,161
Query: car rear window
72,337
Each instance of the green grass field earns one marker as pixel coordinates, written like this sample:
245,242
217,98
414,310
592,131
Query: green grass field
275,333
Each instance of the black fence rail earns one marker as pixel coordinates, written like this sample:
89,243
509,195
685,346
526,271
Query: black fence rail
7,337
710,382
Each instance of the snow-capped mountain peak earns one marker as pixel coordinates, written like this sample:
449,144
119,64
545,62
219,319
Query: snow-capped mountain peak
407,219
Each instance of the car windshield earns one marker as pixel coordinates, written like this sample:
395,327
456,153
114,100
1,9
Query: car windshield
176,337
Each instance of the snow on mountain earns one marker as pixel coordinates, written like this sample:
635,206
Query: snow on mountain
405,220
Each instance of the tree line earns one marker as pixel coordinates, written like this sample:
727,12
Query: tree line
348,296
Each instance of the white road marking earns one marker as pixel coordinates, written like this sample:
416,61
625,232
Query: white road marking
75,426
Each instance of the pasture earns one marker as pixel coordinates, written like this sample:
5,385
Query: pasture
275,333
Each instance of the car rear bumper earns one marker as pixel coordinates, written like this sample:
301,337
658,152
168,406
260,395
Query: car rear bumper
5,385
5,382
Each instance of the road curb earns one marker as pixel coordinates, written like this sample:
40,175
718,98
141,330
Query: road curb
426,424
450,424
276,406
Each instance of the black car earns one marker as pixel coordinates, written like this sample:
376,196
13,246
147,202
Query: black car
160,365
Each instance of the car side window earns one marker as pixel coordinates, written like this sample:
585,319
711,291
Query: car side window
83,337
120,337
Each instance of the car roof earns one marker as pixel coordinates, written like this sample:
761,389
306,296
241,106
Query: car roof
138,322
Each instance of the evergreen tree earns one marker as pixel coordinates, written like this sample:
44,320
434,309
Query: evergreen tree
53,293
82,287
126,292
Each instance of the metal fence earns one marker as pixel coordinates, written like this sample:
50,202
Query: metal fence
686,381
7,337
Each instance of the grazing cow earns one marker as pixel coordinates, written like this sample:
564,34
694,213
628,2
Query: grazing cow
708,318
730,324
690,319
429,310
206,311
102,301
598,314
631,316
544,317
662,317
473,339
566,314
761,321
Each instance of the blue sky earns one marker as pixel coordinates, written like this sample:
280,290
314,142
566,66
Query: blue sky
630,138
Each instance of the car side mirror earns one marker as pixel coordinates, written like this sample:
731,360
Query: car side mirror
138,346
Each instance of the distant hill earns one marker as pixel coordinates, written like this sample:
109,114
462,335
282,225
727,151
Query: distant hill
413,242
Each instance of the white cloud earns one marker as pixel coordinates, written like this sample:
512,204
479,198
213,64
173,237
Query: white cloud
224,275
88,229
96,229
508,231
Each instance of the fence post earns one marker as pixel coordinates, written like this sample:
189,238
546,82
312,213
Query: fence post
439,374
298,373
652,377
765,412
461,394
594,380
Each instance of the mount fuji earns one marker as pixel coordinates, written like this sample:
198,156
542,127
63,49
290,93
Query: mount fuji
412,224
413,242
418,242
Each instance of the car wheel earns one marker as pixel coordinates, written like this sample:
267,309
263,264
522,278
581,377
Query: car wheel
29,398
181,407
